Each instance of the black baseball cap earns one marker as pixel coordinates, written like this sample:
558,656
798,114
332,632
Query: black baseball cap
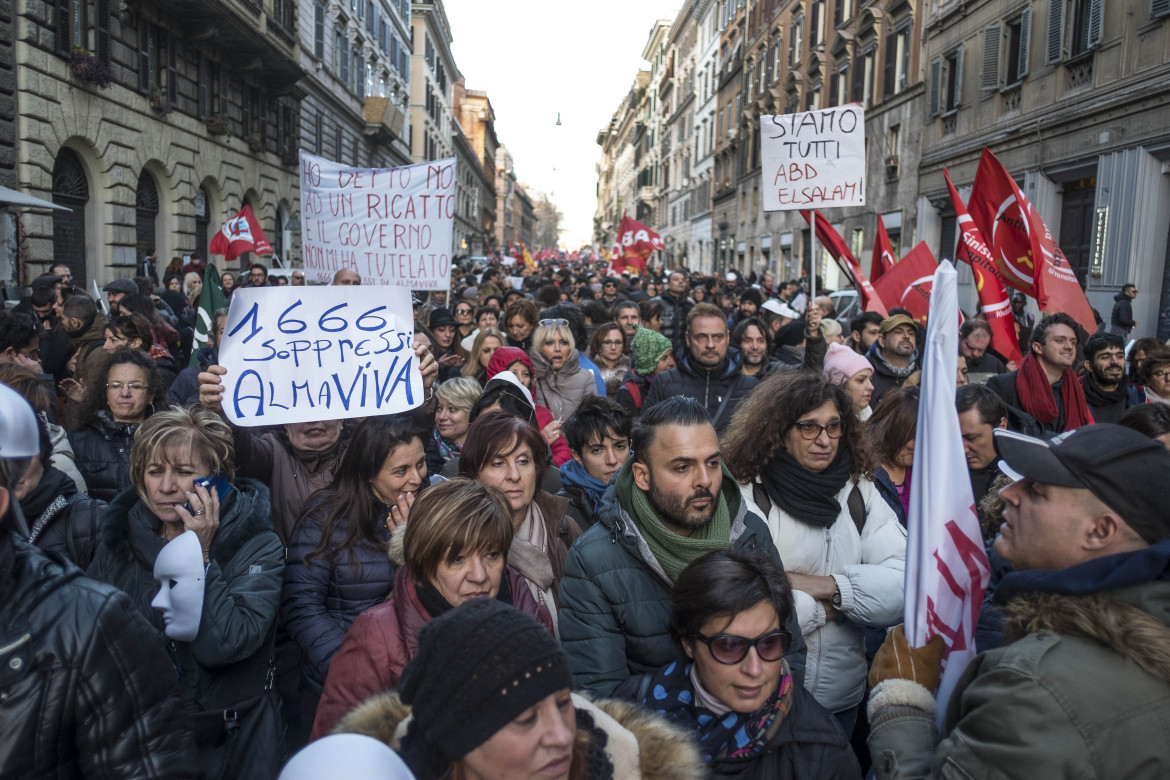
1127,470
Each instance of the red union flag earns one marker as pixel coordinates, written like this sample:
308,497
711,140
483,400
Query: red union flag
946,566
238,235
1023,246
835,245
883,252
993,297
909,283
633,245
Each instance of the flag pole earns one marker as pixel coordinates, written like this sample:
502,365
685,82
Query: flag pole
812,260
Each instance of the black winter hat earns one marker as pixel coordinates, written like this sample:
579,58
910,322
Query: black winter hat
478,667
441,317
753,295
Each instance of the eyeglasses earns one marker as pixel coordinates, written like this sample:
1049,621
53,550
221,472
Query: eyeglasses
810,430
1160,374
118,387
613,343
463,311
729,649
551,323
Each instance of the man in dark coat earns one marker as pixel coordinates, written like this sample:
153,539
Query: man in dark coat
671,503
88,691
894,356
710,370
676,306
1107,392
1121,321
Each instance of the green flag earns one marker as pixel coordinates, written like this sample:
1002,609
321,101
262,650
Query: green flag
211,300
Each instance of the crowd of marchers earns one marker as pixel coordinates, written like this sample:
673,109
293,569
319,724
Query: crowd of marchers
641,526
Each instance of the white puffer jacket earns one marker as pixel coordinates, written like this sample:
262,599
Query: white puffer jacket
868,569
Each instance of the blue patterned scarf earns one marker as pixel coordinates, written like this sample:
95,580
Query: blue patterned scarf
574,474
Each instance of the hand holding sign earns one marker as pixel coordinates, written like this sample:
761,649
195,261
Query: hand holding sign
300,354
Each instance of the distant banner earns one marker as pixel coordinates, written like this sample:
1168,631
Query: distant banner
297,354
394,226
815,159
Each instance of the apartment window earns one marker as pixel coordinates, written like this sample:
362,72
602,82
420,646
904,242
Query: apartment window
946,83
341,55
794,40
1019,34
204,87
863,74
371,17
812,98
1086,29
839,86
147,56
370,78
319,31
1005,52
816,27
72,25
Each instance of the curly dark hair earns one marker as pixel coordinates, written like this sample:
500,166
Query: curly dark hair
95,398
756,431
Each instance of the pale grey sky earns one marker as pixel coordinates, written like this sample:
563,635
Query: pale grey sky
536,58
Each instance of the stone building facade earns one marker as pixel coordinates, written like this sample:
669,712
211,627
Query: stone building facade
152,122
477,122
432,76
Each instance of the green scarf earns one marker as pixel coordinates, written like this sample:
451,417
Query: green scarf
675,552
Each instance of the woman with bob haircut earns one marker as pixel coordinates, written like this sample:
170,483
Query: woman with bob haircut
489,695
560,383
456,397
892,430
509,454
452,550
225,668
610,349
337,564
804,464
125,391
733,689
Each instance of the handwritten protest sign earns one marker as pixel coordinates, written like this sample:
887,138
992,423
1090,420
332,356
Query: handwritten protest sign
394,226
295,354
815,159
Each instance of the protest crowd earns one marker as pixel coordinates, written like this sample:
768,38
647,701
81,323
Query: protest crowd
650,525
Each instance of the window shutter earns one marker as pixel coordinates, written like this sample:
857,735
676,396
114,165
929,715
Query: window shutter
145,59
102,30
319,31
1159,8
935,86
958,76
859,78
1026,38
891,64
1054,41
64,39
989,75
172,68
1096,14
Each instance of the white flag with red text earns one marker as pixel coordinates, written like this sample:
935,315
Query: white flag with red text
946,565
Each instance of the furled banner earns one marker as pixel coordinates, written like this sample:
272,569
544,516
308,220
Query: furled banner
238,235
883,252
946,566
633,246
394,226
993,297
910,282
1023,247
831,240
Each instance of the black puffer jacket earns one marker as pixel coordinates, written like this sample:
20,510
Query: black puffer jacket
61,520
321,599
85,687
710,387
674,317
225,669
102,452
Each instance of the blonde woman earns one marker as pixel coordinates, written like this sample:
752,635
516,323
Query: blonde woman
455,398
487,341
560,384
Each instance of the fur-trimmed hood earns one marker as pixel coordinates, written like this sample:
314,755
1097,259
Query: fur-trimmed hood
640,744
1132,623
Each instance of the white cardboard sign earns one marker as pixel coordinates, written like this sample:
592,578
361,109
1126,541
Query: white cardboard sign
814,159
394,226
298,354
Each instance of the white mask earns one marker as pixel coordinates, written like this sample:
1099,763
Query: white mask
179,569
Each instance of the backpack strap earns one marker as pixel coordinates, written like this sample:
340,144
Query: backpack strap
856,507
760,496
634,392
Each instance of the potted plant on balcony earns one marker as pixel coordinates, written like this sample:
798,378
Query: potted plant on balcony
160,103
88,68
256,142
218,124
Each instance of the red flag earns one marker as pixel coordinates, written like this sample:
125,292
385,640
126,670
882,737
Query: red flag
1023,247
835,245
909,283
633,245
993,297
883,252
238,235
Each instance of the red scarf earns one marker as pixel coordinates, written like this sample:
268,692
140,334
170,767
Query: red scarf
1036,397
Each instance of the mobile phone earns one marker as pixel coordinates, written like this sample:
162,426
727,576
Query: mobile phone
218,481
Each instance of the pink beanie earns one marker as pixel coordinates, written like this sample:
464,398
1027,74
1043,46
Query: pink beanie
841,363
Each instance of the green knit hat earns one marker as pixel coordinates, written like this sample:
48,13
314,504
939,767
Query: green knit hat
648,348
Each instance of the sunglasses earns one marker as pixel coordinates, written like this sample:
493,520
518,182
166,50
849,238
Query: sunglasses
729,649
551,323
